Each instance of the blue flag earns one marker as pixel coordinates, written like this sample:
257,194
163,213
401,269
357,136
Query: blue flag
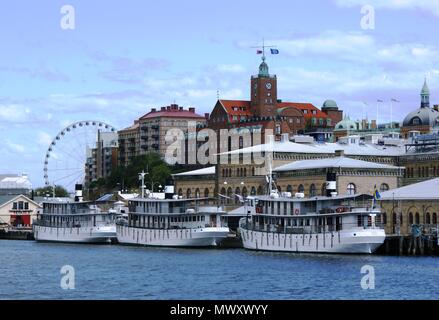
274,51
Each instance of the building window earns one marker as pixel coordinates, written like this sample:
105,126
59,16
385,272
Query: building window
417,220
312,190
14,206
301,189
278,131
410,218
351,189
434,220
384,187
427,218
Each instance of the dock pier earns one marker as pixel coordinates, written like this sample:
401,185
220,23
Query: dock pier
409,245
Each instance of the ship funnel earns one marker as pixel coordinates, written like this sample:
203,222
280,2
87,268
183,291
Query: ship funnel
331,183
78,193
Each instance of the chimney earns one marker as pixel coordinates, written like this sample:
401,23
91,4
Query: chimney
163,109
153,110
339,153
168,108
181,108
207,116
192,110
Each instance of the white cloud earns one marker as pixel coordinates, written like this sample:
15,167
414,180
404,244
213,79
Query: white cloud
44,138
14,113
230,68
15,147
426,5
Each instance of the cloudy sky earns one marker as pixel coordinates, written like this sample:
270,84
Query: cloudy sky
124,57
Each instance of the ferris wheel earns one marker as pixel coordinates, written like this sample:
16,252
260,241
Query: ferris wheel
67,154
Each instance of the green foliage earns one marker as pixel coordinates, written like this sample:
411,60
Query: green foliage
127,178
59,191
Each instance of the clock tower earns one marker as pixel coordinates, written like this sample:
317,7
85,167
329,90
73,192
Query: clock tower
263,92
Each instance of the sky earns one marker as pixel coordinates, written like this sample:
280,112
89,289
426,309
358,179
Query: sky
124,57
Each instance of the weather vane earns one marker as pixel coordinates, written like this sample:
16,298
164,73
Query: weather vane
263,47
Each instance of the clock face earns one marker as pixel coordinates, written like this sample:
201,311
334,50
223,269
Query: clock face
268,85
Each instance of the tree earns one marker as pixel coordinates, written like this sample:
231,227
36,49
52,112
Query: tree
48,191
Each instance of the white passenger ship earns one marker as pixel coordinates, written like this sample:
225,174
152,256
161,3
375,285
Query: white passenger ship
173,223
336,224
64,220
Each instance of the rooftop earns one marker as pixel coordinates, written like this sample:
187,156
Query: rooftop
199,172
337,162
172,111
350,149
426,190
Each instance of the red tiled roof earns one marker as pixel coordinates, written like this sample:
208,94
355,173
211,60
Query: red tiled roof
172,114
304,106
242,105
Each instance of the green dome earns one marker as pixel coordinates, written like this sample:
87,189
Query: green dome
348,125
263,68
330,104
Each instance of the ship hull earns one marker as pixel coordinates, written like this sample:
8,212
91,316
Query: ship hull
103,234
365,241
197,237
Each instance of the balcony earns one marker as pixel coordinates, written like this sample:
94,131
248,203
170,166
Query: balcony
144,128
155,126
144,137
155,146
144,147
155,136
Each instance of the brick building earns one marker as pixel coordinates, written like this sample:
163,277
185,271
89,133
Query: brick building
265,111
148,133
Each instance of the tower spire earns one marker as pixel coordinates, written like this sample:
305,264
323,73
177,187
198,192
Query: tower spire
425,95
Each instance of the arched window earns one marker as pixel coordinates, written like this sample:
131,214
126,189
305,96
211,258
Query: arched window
410,218
253,191
351,189
223,193
417,220
384,187
290,188
237,192
301,188
434,220
180,192
260,190
206,193
188,193
427,218
324,189
197,193
244,192
312,190
253,171
229,195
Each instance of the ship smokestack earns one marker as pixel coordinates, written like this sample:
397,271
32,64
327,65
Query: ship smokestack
331,184
78,193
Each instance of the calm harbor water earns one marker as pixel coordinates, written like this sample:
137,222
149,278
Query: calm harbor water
31,270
